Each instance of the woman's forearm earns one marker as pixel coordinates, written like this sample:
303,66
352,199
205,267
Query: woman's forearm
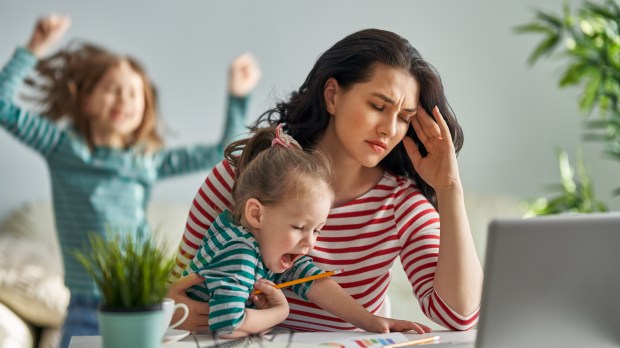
458,276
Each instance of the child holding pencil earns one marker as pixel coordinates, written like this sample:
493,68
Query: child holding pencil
282,197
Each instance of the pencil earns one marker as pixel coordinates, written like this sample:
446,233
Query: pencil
303,280
414,342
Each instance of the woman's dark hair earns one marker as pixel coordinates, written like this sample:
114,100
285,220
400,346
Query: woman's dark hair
352,60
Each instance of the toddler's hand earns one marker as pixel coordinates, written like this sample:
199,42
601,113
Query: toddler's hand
269,297
244,75
47,31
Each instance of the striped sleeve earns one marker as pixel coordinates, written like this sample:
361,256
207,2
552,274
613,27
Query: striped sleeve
14,72
201,157
230,275
303,267
213,197
31,129
418,225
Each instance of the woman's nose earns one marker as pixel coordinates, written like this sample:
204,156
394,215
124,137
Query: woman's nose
387,128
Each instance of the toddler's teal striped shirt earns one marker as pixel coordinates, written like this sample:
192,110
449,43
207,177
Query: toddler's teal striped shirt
230,261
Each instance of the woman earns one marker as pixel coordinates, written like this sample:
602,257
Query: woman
366,104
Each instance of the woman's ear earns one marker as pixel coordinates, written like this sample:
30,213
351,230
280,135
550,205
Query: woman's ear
329,93
253,212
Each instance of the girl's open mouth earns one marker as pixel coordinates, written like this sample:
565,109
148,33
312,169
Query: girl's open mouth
288,260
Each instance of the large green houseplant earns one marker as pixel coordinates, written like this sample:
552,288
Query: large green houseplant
588,39
131,274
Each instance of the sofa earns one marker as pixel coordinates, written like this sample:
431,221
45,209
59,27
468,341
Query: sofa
33,297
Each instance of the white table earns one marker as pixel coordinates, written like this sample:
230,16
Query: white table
299,339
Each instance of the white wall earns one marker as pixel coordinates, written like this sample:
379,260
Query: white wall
513,115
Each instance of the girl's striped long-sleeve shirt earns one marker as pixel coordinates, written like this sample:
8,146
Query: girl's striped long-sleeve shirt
101,189
364,237
230,261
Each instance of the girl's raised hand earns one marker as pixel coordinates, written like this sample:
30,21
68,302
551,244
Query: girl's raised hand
439,168
244,75
47,31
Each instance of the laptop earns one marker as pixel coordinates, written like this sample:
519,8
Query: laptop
551,281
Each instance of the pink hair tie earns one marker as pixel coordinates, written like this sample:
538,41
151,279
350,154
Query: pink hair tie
283,139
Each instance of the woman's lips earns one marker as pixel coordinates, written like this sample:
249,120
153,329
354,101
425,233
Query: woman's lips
377,146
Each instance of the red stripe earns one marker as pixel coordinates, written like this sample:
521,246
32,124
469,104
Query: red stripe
365,269
189,243
229,168
412,207
420,258
359,225
374,280
416,251
354,261
331,239
415,219
374,300
368,212
417,197
421,281
357,248
196,221
438,315
221,179
216,193
462,322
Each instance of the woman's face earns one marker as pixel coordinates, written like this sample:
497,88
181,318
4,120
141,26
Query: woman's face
117,103
371,118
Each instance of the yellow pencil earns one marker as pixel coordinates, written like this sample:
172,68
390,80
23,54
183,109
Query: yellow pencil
303,280
414,342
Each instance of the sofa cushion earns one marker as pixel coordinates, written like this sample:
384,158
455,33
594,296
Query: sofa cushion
31,281
14,333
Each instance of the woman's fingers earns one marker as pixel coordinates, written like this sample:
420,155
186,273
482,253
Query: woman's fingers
441,124
185,283
412,151
431,128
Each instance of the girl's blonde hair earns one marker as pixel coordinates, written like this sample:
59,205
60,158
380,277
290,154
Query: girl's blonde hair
68,77
274,173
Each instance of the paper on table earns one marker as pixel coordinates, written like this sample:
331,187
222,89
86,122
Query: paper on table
350,340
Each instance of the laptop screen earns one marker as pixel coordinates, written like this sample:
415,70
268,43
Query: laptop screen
552,281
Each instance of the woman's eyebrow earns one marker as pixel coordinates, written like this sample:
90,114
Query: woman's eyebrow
390,101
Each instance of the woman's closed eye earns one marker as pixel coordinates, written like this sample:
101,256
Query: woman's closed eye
377,107
406,118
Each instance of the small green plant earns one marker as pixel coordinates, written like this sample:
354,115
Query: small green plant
129,272
588,39
576,196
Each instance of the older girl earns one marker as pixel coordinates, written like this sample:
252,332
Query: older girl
104,163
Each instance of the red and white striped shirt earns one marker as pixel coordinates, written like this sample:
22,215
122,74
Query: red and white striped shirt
363,237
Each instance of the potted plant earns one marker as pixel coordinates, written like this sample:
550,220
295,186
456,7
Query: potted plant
131,276
588,39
